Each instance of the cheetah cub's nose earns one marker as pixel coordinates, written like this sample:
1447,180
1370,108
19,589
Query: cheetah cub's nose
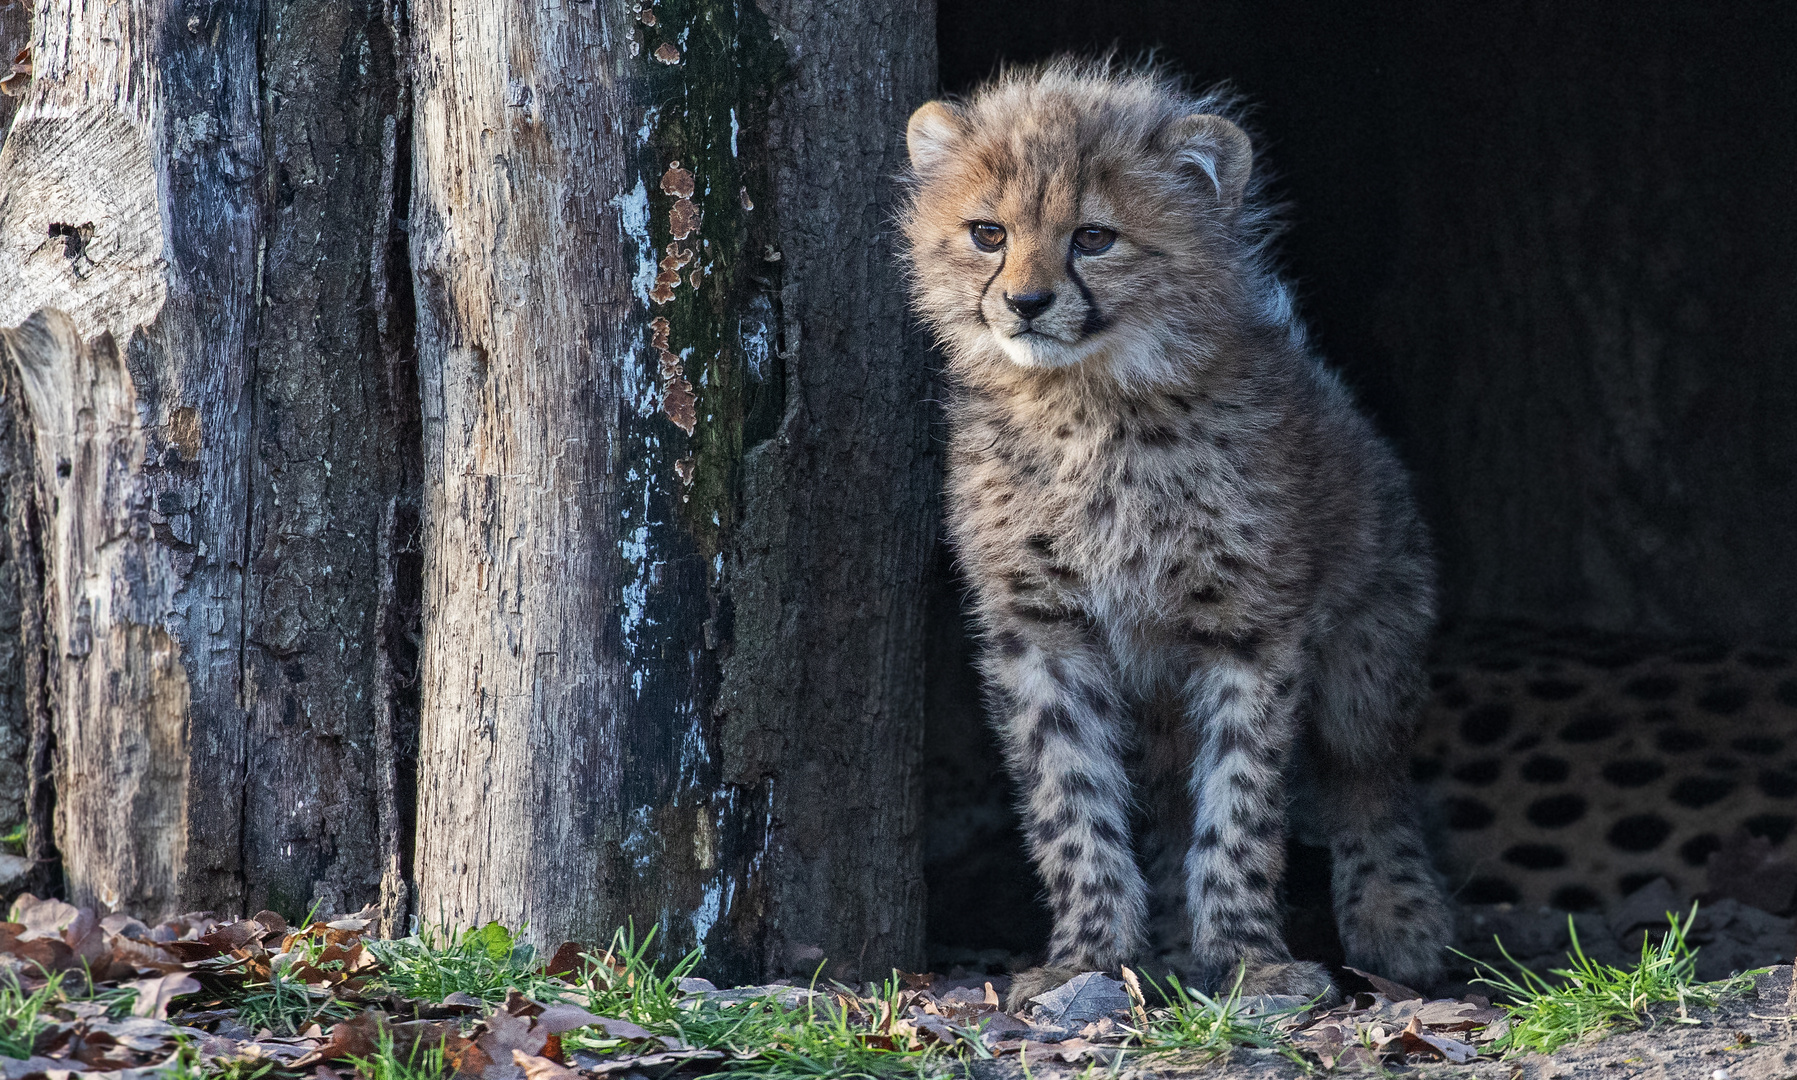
1030,304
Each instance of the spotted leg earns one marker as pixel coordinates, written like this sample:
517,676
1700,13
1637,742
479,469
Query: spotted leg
1245,719
1063,731
1389,907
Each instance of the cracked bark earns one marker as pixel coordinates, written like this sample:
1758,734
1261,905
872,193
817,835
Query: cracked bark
656,489
200,330
16,585
678,496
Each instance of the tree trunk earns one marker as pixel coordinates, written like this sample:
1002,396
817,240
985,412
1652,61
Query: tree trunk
825,703
19,603
20,597
202,267
677,490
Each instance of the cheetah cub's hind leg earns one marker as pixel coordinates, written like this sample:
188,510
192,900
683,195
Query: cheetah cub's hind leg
1243,712
1062,725
1389,907
1353,795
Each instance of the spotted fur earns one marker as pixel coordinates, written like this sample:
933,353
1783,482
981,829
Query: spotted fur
1160,494
1568,768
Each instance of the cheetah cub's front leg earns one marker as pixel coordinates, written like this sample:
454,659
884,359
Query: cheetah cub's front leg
1245,719
1063,733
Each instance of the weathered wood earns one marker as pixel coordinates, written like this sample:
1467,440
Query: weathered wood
15,486
135,398
518,155
202,261
333,443
20,599
657,592
15,35
825,698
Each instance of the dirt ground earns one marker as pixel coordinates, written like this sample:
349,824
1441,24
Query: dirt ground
1750,1038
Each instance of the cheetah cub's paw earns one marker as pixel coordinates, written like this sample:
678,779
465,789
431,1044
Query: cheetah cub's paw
1293,978
1034,983
1400,933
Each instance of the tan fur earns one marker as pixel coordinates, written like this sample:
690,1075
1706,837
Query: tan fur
1157,491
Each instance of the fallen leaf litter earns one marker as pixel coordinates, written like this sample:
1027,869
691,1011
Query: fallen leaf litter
183,972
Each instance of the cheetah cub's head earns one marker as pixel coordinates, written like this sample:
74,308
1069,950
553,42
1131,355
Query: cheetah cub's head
1074,216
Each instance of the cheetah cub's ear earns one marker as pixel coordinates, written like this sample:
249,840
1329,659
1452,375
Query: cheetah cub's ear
1211,145
931,134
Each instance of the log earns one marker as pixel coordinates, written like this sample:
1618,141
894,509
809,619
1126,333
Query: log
201,263
678,491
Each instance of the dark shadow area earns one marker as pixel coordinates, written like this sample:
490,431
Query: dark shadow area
1551,248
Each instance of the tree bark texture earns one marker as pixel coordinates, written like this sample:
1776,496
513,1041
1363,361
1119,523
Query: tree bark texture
20,597
198,207
678,486
836,548
20,601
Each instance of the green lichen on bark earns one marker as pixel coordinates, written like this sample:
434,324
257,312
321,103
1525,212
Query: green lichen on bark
709,119
707,71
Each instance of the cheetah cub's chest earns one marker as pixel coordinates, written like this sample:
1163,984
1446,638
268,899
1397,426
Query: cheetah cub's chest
1140,516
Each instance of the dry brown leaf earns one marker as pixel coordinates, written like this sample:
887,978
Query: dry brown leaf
359,1036
937,1028
570,957
1138,1005
1414,1038
154,995
139,954
35,1066
541,1068
507,1032
42,918
1325,1040
1393,991
557,1019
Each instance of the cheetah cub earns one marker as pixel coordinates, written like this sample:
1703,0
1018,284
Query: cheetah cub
1164,500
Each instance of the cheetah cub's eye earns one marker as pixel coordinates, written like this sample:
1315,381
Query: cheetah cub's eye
987,236
1093,239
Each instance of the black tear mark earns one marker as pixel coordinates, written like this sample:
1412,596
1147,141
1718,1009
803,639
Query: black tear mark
1095,320
979,305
